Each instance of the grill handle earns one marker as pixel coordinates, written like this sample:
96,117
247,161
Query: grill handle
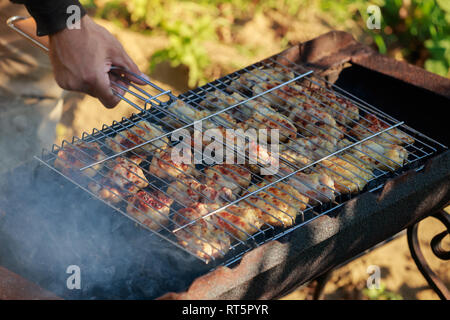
27,28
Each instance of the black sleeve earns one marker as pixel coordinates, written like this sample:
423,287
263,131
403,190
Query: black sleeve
51,15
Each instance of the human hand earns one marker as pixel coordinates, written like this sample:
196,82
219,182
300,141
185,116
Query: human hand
82,58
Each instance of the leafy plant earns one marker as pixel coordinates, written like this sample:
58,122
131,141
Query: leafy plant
186,47
422,26
381,294
418,29
187,25
439,62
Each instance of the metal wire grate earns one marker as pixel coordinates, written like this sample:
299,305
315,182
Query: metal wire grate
333,147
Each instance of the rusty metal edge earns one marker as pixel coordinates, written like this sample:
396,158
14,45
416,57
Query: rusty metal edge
337,47
15,287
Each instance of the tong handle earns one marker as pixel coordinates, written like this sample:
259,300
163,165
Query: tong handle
27,28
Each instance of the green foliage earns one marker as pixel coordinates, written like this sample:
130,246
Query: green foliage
186,47
419,28
439,62
187,24
381,294
89,4
289,6
427,27
346,10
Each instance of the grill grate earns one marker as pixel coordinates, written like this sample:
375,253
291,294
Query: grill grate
324,132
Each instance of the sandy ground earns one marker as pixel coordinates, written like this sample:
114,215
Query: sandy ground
398,272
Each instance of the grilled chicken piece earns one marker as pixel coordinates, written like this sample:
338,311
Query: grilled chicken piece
188,191
202,238
312,121
295,158
319,187
150,208
308,115
313,148
278,97
228,142
290,96
267,118
315,185
222,119
309,109
371,125
107,191
235,147
256,76
231,176
239,221
280,204
136,135
127,175
343,143
164,166
183,112
349,174
71,158
342,109
246,110
255,113
326,132
125,178
218,100
188,114
260,160
289,162
383,155
241,112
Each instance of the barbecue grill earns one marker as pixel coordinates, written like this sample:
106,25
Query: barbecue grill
383,200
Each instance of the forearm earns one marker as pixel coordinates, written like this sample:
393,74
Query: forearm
51,15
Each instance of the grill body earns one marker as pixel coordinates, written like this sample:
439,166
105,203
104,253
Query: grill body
319,127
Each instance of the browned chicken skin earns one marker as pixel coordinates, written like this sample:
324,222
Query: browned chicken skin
71,158
203,238
150,208
123,179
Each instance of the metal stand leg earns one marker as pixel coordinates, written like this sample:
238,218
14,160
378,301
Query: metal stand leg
320,286
413,242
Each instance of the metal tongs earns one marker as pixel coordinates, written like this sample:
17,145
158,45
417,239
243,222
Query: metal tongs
26,27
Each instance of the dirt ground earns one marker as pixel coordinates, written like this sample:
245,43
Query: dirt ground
398,272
